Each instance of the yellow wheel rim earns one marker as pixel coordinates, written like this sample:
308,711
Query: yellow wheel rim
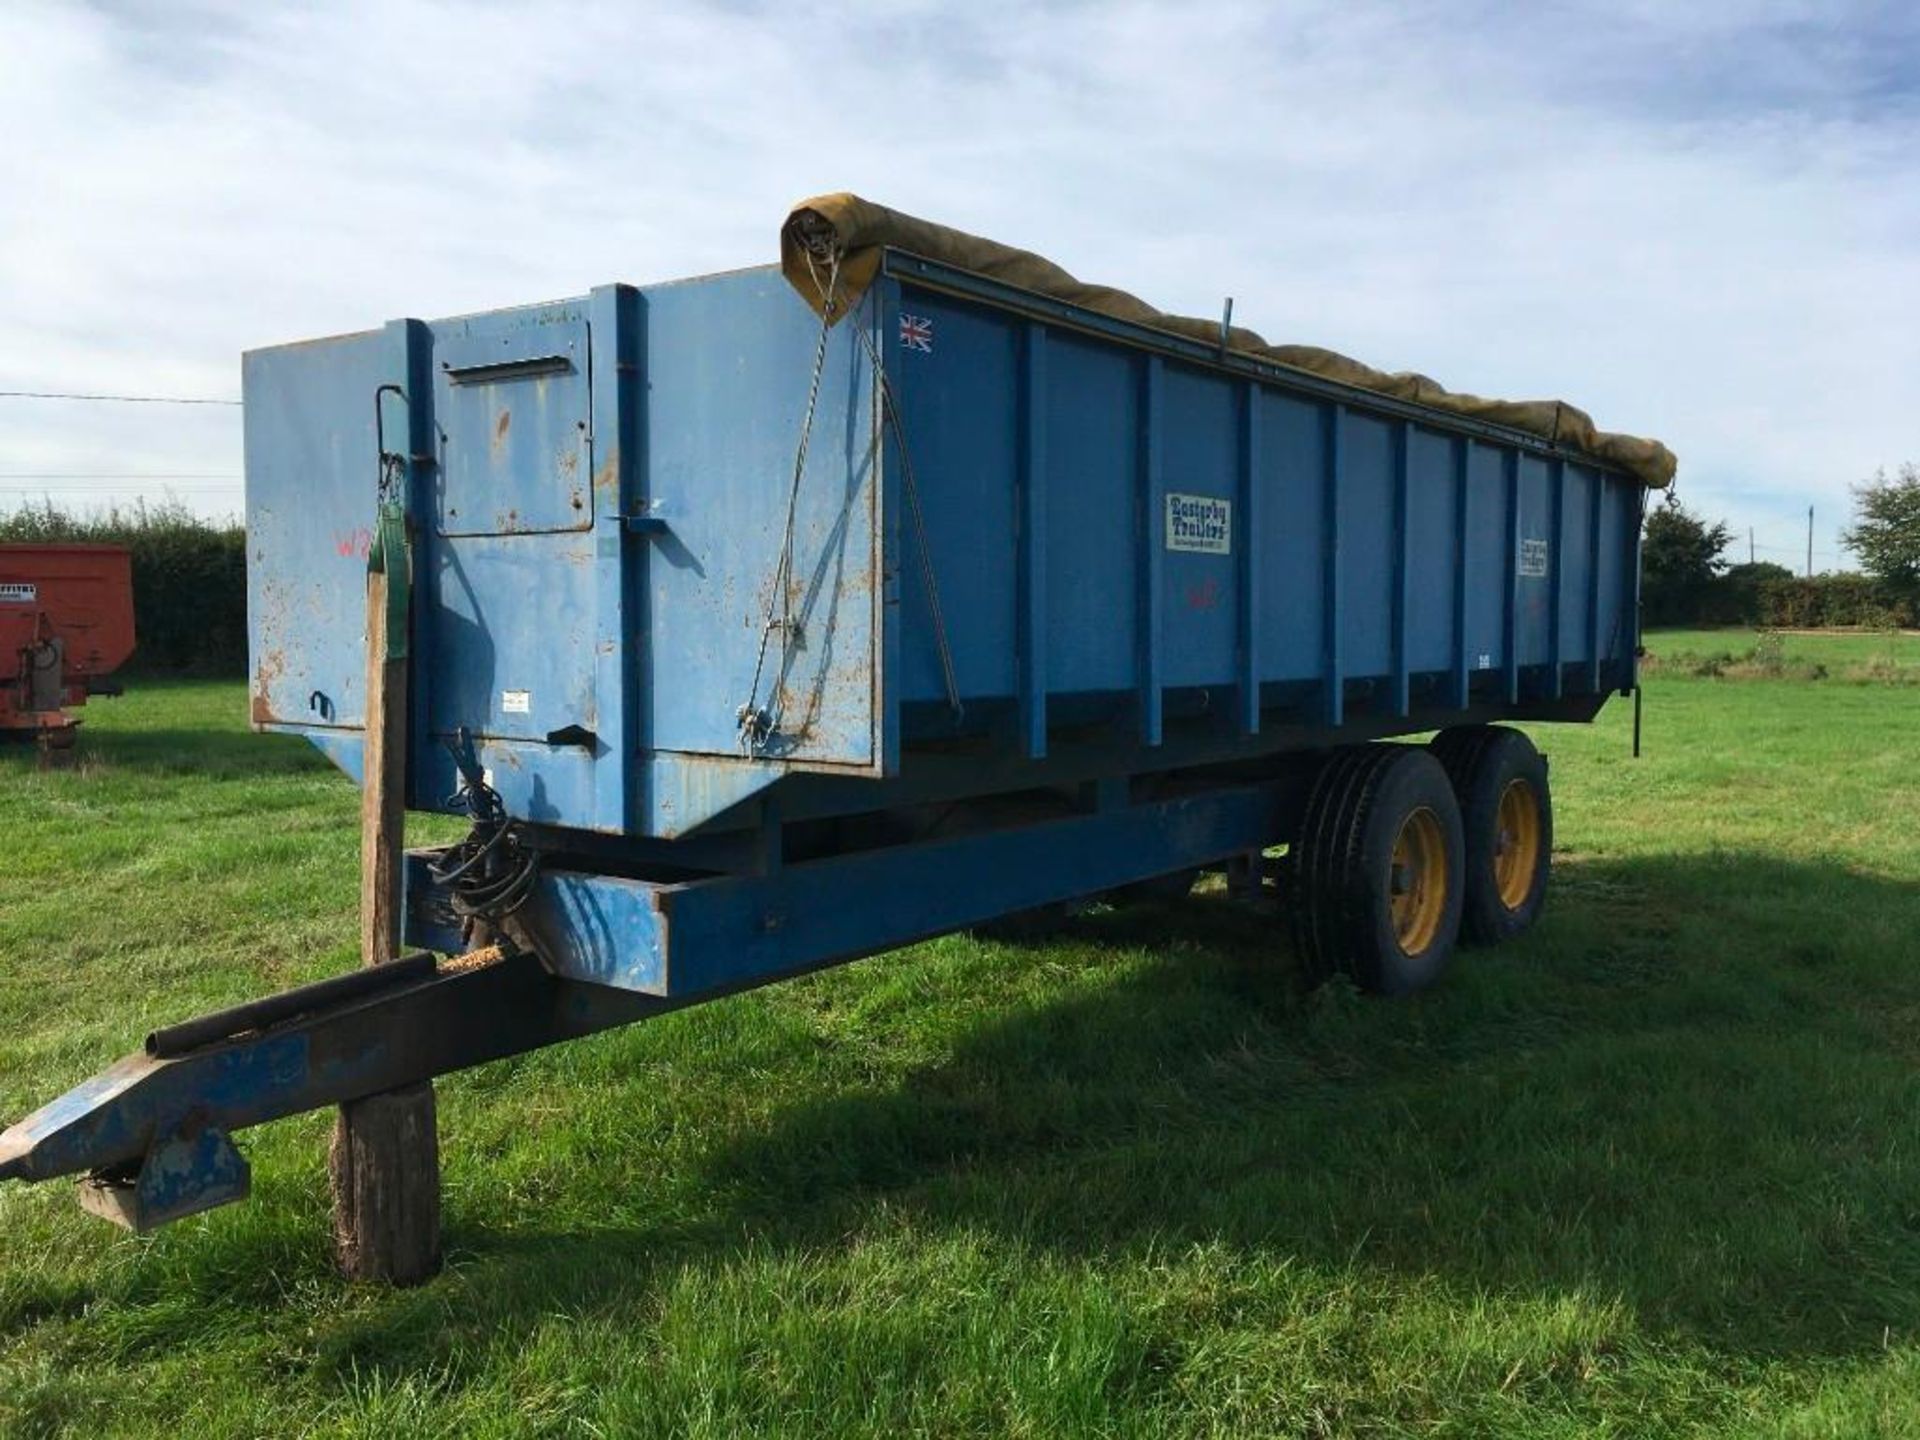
1419,882
1516,843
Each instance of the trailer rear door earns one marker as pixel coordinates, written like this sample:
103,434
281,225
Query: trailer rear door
509,574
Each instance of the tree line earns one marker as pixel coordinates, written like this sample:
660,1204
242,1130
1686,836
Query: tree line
1686,578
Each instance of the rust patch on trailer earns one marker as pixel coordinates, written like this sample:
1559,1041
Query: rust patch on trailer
607,477
273,664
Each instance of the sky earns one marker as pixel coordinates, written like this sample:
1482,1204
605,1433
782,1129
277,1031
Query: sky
1699,222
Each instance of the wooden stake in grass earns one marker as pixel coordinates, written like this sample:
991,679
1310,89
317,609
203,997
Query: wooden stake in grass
385,1159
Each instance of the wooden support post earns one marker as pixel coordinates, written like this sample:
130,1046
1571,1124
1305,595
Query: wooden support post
384,1163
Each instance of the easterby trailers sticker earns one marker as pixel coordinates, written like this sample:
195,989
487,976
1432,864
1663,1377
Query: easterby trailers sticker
18,592
1202,524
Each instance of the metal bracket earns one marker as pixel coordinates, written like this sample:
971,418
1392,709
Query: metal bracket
196,1168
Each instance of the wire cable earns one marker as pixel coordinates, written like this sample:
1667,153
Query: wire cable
113,399
109,475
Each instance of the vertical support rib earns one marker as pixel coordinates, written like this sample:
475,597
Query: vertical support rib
1333,701
1595,554
1631,600
1152,508
412,359
1402,564
1462,448
891,560
1512,461
1248,567
1033,544
614,329
1556,573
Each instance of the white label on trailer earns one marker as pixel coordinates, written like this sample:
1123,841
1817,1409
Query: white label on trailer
1200,523
1533,559
18,592
516,702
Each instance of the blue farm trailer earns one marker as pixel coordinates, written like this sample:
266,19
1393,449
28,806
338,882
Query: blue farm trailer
770,619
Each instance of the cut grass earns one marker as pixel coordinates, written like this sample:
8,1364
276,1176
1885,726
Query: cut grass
1653,1170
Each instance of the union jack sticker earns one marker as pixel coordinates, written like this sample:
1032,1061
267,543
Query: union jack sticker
916,333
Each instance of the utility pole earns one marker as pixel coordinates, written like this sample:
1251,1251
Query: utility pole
1750,544
1809,542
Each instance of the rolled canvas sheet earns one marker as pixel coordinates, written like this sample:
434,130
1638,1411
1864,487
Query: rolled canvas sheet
843,236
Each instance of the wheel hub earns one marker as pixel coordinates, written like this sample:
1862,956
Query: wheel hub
1417,881
1516,843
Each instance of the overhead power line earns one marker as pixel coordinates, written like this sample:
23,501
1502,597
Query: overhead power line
49,491
104,475
114,399
1799,550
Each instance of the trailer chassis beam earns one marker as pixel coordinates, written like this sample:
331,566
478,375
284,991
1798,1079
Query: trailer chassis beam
689,938
141,1127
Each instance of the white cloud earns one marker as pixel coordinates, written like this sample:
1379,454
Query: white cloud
1694,221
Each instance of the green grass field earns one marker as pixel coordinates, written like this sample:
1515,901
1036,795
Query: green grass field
1878,656
1654,1170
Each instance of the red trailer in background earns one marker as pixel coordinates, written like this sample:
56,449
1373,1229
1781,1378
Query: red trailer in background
66,623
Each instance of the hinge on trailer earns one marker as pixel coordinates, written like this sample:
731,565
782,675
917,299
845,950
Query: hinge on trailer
388,554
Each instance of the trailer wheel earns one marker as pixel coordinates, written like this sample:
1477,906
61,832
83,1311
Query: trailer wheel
1377,870
1507,809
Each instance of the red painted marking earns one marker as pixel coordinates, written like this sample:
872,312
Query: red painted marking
1205,595
353,544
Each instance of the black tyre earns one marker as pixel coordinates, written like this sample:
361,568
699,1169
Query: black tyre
1506,809
1376,882
1160,890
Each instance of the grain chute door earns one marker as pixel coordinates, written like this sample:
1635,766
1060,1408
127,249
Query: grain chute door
514,442
510,570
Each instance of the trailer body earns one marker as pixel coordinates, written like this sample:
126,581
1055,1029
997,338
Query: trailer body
1124,533
66,624
783,643
1049,550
